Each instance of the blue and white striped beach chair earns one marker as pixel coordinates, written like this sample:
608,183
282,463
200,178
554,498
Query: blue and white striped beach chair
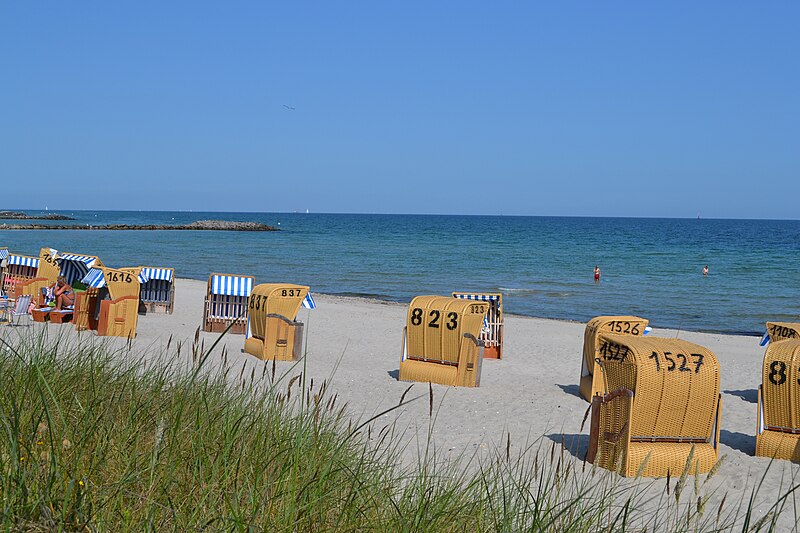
492,331
19,269
226,302
74,267
158,292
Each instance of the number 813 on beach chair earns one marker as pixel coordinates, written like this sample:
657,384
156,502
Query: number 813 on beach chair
440,341
664,404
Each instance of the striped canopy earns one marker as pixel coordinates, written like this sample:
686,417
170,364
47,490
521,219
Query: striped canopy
23,260
308,302
74,266
95,279
481,297
3,253
157,273
231,285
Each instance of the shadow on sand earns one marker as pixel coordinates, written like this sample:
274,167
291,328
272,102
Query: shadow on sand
738,441
748,395
572,389
577,444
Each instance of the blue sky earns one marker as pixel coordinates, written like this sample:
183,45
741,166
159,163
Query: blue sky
532,108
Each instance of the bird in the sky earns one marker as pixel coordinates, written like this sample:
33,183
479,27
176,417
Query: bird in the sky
288,107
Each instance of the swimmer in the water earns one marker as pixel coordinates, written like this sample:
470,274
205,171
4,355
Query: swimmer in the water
596,273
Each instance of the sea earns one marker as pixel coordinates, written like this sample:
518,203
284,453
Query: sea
543,266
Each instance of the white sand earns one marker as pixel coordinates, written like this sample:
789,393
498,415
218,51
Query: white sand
531,393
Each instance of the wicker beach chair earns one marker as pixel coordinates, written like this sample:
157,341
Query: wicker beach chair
274,333
19,269
591,382
226,303
440,341
110,304
778,331
158,292
492,330
778,424
664,405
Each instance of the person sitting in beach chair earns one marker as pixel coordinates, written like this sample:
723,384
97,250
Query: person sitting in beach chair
64,294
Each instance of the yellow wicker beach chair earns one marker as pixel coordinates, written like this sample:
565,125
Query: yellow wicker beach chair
440,341
19,269
272,308
778,424
664,404
492,330
226,303
778,331
591,382
111,303
157,294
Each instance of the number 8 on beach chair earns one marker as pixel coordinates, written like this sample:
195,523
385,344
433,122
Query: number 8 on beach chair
778,425
440,341
226,303
274,332
664,404
591,382
492,330
158,292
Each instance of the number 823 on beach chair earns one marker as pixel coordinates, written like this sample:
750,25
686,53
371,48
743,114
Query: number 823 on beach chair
664,404
440,341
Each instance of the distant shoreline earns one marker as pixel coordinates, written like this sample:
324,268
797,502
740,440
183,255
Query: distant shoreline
200,225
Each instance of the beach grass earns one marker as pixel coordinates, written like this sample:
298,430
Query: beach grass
97,437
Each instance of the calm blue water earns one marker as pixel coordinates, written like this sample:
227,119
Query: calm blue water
543,265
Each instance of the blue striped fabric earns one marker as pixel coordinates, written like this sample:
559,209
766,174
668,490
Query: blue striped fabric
74,266
158,273
231,285
308,302
3,253
23,260
479,297
764,339
94,279
143,277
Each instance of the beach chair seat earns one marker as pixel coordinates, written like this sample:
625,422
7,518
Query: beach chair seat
62,316
591,380
274,332
440,341
778,407
492,331
157,294
664,405
41,314
226,303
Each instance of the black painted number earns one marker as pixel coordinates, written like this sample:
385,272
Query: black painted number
452,323
416,316
435,316
672,364
777,374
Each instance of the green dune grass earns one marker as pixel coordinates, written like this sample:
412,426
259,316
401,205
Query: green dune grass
94,439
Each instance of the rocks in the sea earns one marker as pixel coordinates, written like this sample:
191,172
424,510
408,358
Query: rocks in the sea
17,215
200,225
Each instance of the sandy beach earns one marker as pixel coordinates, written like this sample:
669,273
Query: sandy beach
532,393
